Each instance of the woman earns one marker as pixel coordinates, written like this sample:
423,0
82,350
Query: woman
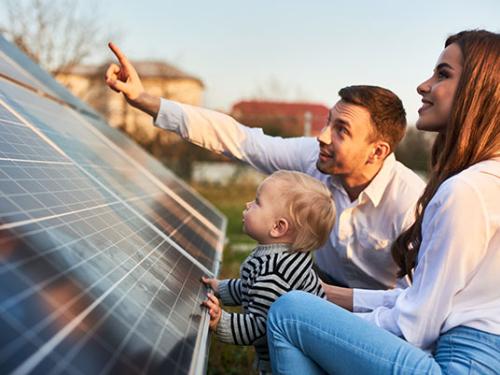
448,321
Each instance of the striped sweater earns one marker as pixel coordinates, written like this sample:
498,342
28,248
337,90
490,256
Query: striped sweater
268,272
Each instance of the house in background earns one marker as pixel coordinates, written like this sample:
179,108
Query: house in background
282,118
158,78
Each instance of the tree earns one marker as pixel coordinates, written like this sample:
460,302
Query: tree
56,34
415,149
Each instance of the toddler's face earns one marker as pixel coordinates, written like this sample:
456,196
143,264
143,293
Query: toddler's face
261,214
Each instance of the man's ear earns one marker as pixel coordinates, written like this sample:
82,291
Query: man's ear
381,149
280,228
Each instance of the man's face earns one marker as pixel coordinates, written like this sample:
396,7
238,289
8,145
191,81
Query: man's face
346,141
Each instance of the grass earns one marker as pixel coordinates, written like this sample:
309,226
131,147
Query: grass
227,359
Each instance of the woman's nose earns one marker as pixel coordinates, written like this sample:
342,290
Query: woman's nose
424,87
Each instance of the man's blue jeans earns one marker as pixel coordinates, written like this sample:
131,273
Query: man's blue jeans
308,335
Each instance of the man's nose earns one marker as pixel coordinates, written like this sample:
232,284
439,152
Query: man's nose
325,136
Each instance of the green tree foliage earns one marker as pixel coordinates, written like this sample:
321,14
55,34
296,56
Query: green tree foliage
415,149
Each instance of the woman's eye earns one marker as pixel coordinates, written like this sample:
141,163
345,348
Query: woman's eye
442,75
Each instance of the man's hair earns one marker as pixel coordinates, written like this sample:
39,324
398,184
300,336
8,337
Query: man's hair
386,111
309,207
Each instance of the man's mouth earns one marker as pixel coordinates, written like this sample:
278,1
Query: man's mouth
324,156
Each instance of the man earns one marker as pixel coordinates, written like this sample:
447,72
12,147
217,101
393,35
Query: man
375,195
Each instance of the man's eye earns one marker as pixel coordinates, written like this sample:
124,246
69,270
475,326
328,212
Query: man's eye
341,130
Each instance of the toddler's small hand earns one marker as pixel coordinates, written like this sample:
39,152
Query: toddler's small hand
212,283
214,310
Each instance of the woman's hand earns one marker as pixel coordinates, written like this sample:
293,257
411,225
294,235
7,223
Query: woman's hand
342,297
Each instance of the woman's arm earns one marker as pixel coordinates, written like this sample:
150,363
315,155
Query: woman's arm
360,300
342,297
454,241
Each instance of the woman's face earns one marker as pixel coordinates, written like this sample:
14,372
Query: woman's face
438,91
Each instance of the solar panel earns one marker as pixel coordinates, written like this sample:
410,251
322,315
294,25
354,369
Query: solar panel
101,247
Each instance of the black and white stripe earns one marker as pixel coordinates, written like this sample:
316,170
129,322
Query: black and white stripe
269,272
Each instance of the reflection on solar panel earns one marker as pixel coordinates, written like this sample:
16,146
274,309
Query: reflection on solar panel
101,247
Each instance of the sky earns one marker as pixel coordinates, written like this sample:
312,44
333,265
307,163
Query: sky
293,50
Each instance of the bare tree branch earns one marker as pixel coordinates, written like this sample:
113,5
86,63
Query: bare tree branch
57,34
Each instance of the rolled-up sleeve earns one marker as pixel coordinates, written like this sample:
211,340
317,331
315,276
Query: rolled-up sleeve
365,300
222,134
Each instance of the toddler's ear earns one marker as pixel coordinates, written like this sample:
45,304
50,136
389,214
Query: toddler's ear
280,228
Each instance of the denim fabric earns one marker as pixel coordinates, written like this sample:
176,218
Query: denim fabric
308,335
465,350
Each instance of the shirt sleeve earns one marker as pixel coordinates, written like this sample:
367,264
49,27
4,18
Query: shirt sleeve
230,292
222,134
454,241
365,300
246,328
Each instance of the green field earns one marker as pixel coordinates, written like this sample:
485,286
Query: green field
230,200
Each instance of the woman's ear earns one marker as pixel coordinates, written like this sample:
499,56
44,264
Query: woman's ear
280,228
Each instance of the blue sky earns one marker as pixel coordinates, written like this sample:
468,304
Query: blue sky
295,50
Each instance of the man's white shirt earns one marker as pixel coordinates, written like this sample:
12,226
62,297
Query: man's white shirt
357,253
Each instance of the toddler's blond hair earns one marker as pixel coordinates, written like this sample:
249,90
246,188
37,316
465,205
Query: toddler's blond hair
309,207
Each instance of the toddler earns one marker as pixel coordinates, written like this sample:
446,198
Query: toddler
292,214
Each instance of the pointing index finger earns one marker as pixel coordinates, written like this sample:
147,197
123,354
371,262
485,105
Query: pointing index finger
119,55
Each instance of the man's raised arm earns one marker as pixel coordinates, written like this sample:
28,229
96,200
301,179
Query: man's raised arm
124,78
212,130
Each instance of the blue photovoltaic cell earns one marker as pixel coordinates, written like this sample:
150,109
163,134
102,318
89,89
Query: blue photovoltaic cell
162,174
101,247
71,134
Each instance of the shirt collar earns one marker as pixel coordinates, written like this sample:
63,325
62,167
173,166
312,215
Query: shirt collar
377,186
274,248
375,190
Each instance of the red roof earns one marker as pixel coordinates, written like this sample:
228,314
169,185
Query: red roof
291,110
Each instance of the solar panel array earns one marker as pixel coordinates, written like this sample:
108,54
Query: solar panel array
101,247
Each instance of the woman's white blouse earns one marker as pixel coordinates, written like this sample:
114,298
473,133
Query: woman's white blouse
457,277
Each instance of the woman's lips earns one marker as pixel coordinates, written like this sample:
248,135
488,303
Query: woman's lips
426,105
